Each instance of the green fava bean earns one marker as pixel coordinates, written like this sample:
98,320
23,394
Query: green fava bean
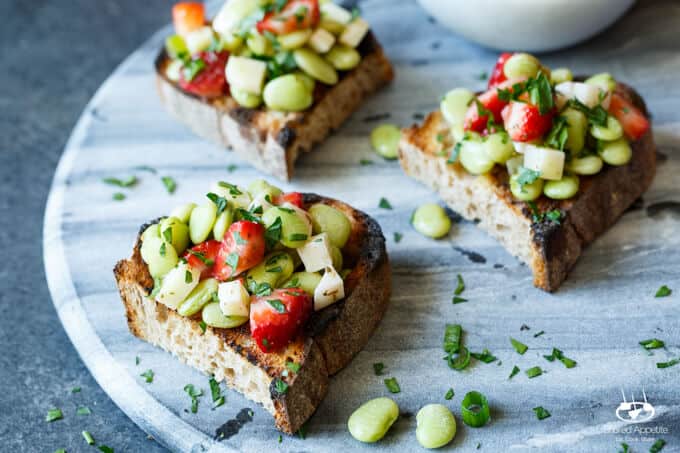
336,257
436,426
262,187
287,93
307,281
231,42
199,296
274,270
528,192
498,147
151,231
616,153
175,46
294,39
612,131
314,65
183,212
175,232
604,80
587,165
212,315
455,105
385,140
159,256
295,229
333,222
201,222
309,82
562,189
371,421
259,44
431,220
223,221
245,98
577,125
521,65
472,156
560,75
343,58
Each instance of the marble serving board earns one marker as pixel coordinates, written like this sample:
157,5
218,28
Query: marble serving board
597,318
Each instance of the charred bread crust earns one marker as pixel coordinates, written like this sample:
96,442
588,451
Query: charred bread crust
272,141
550,249
332,337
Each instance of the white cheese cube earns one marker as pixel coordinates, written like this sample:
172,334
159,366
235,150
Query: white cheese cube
316,253
199,40
354,32
549,162
335,13
321,40
234,299
261,201
587,94
330,289
246,74
177,284
231,14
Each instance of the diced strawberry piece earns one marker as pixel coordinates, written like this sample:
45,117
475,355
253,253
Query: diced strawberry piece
524,122
243,247
277,318
295,15
497,75
203,256
188,16
633,121
210,81
477,121
294,198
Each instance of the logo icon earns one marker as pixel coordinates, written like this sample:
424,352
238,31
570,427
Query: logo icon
635,411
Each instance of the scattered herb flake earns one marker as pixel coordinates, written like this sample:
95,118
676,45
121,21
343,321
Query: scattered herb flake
384,204
148,376
292,366
668,364
83,410
657,446
105,449
75,390
88,437
215,391
520,347
146,168
188,277
194,394
398,237
458,300
366,162
449,394
392,385
515,370
452,337
652,343
277,305
624,448
663,291
298,237
534,372
302,432
54,414
127,182
231,168
169,183
484,356
541,412
280,386
538,334
272,234
118,196
378,368
483,75
460,287
137,360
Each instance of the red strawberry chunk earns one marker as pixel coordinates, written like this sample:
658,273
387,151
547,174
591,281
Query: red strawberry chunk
294,198
203,256
242,248
277,318
524,123
497,75
633,121
476,118
210,80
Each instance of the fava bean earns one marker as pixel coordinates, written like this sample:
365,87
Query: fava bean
612,131
333,222
308,281
528,192
336,257
562,189
223,221
275,269
262,187
521,65
436,426
309,82
295,227
331,26
178,284
287,93
201,222
455,105
199,296
343,58
587,165
151,231
259,45
176,232
236,195
473,157
314,65
385,140
431,220
175,46
231,42
183,212
616,153
212,315
498,147
604,80
160,256
294,39
560,75
370,422
245,98
576,130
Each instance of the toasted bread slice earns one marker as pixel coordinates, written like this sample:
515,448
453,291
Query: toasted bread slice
548,248
331,338
271,141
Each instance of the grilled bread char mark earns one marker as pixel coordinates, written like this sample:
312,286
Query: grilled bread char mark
331,339
272,141
550,249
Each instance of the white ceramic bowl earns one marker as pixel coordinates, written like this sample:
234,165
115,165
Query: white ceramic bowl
530,25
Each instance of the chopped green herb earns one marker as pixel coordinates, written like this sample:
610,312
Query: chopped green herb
657,446
663,291
534,372
460,287
460,361
455,152
277,305
298,237
559,355
515,370
188,277
439,137
194,394
527,176
221,202
146,168
384,204
83,410
366,162
169,183
232,261
302,432
54,414
60,450
541,413
215,391
596,115
203,326
449,394
201,256
652,343
118,196
458,300
540,92
378,368
355,13
272,234
280,438
167,234
520,347
484,356
557,137
88,437
75,390
483,75
148,376
452,338
392,385
162,249
624,448
192,68
292,366
137,360
127,182
538,334
668,364
231,168
398,237
105,449
280,386
260,289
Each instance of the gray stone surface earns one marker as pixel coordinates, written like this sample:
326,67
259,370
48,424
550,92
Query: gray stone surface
53,65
